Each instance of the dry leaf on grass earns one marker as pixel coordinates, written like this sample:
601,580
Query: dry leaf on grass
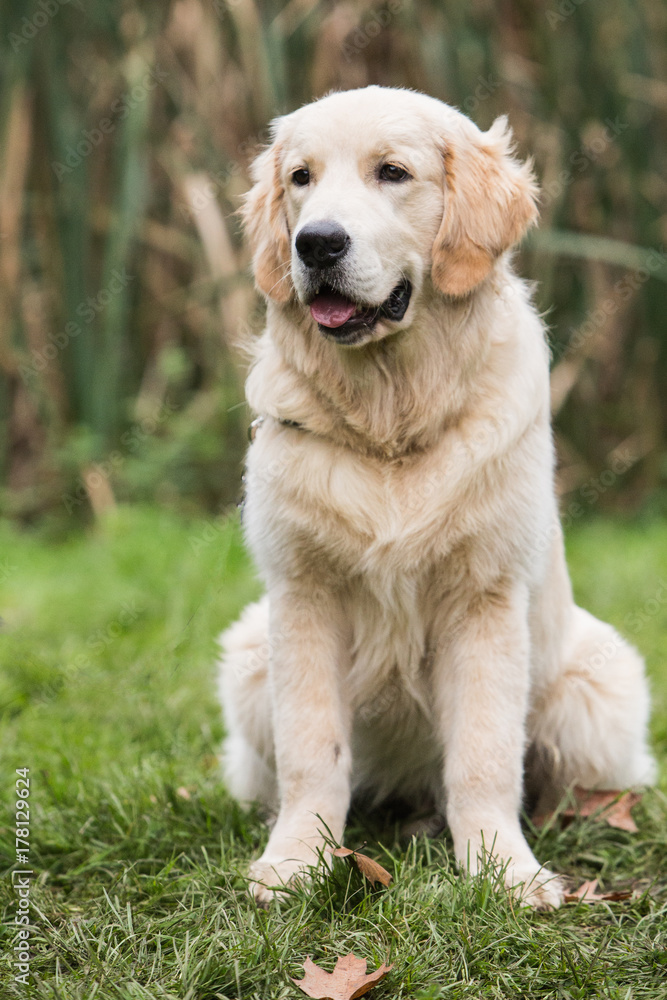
589,894
347,981
371,869
611,807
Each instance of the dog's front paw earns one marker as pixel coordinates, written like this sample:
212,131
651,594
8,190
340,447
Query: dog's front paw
514,863
268,877
538,888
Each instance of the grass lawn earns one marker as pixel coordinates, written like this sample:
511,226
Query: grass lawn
107,695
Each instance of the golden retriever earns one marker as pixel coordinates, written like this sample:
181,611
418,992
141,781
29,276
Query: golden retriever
418,637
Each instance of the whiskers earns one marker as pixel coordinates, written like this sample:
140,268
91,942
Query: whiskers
283,266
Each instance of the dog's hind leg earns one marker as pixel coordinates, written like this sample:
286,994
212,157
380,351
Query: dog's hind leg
248,759
589,724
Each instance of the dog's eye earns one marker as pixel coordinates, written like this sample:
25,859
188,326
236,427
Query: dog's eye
301,177
392,172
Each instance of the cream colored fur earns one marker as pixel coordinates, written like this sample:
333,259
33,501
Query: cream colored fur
419,635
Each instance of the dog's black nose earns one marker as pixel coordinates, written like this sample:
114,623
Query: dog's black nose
322,244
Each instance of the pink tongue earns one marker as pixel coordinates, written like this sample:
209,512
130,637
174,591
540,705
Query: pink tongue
332,309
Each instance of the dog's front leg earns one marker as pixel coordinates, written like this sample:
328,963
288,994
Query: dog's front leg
482,694
311,733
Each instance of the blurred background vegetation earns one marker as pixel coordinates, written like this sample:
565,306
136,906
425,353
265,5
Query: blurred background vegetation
126,130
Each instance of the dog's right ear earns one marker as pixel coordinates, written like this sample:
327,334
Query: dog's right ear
263,213
490,202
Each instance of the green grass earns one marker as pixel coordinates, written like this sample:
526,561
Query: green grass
107,694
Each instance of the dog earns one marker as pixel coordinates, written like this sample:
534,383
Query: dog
418,637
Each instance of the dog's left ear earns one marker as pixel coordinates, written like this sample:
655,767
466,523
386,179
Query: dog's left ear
263,214
490,201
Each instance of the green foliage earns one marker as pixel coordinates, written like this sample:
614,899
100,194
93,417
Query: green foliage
108,696
126,129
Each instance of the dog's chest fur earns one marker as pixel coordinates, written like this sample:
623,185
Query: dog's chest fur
396,539
321,510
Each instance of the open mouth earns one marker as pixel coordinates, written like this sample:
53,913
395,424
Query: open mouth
345,321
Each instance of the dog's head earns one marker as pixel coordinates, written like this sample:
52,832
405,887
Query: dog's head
369,199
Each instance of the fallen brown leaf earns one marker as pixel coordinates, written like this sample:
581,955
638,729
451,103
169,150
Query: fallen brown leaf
588,893
347,981
371,869
612,807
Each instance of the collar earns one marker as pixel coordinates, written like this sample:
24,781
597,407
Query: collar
258,421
